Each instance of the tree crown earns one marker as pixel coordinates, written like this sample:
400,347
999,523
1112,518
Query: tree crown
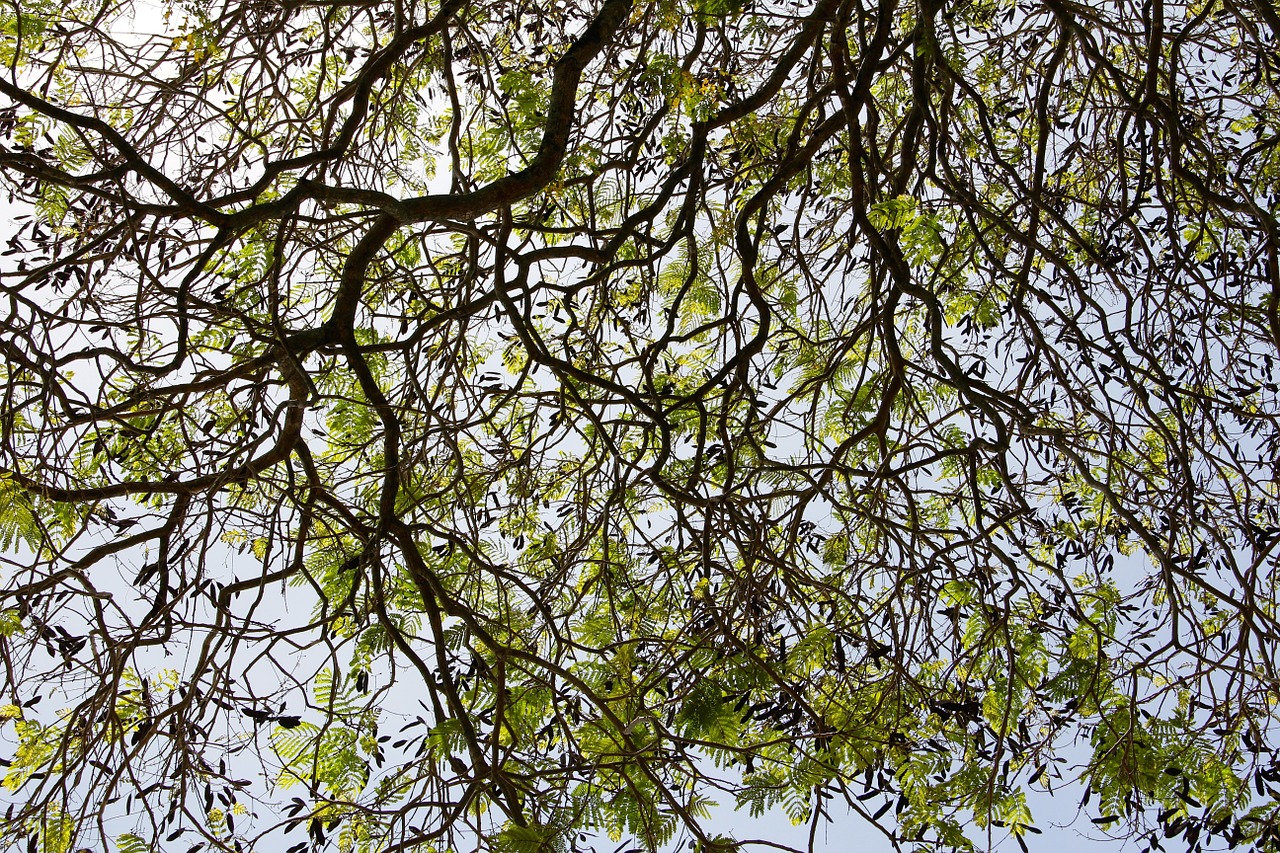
493,422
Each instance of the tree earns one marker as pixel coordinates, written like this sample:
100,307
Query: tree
506,423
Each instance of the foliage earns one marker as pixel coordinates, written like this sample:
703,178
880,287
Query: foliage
505,425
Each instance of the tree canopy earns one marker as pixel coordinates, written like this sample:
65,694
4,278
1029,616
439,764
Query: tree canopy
521,425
